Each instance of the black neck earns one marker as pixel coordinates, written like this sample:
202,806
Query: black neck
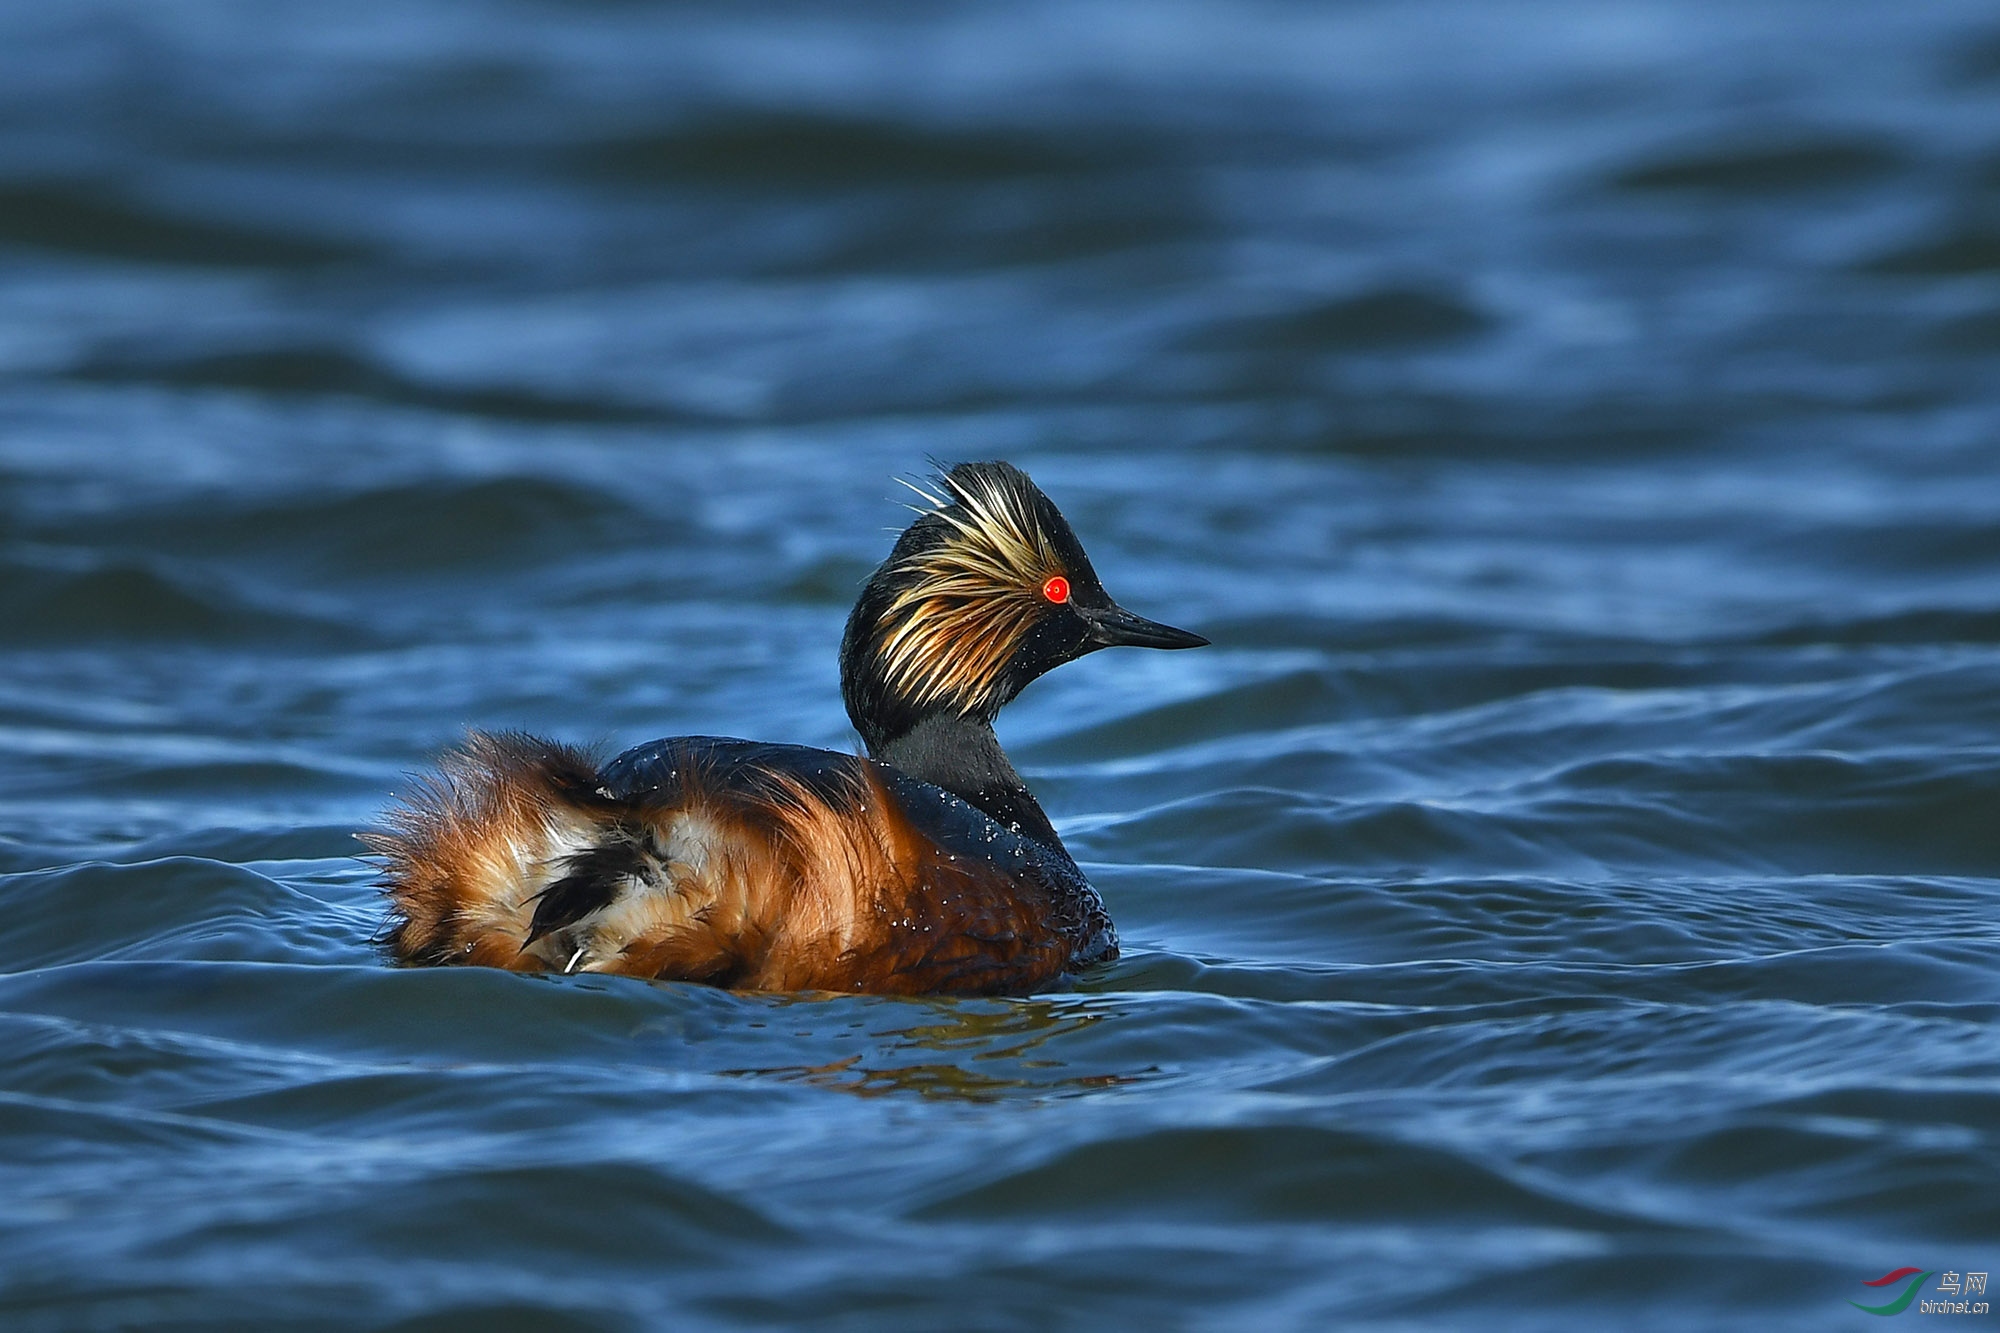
963,756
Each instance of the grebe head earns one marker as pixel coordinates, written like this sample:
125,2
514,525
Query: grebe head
987,590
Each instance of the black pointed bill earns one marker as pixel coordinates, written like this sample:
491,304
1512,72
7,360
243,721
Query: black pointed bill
1115,627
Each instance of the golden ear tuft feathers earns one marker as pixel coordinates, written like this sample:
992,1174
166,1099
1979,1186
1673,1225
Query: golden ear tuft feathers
966,601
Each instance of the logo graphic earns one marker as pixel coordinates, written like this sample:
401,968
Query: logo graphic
1902,1302
1950,1286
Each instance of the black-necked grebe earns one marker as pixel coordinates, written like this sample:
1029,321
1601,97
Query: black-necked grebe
927,867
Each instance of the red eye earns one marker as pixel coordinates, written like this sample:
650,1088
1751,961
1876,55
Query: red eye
1056,589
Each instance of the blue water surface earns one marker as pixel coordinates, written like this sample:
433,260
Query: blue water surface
1565,897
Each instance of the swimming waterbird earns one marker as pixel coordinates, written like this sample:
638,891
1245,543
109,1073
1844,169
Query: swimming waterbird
926,867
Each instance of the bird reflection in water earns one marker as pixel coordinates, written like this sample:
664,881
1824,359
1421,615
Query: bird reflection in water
999,1035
